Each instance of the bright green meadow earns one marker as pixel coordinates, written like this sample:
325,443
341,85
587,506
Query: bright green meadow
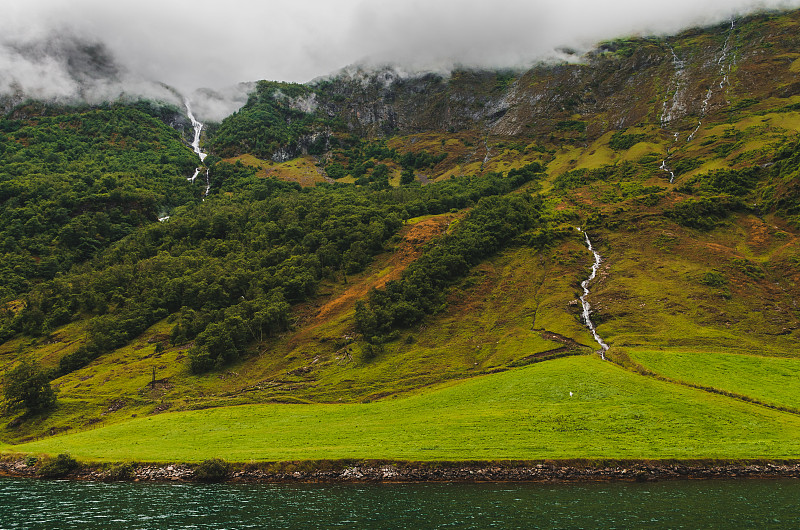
771,380
526,413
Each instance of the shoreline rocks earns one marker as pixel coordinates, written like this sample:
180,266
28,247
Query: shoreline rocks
399,472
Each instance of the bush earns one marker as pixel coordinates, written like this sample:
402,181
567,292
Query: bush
122,471
212,470
59,466
571,125
713,279
704,214
622,142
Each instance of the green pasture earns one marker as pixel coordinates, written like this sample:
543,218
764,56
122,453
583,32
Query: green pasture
526,413
772,380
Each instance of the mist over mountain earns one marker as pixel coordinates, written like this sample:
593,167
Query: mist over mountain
91,50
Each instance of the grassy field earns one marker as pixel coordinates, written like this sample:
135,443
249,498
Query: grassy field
770,380
526,413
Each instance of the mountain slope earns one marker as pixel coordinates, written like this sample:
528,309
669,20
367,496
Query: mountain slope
678,156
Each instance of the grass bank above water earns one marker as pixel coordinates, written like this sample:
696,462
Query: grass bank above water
522,414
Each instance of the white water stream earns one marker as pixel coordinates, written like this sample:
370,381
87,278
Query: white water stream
198,128
724,71
664,167
587,308
673,107
676,105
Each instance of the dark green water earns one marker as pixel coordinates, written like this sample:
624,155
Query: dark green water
680,504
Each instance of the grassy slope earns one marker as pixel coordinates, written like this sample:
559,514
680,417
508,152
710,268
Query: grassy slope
302,170
771,380
647,292
521,414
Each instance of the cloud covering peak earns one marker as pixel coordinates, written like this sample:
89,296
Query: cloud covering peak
93,49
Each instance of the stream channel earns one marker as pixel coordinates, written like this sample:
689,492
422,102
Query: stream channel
587,308
198,128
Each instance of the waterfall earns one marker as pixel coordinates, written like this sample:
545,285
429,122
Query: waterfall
587,308
725,69
669,109
676,105
198,128
664,167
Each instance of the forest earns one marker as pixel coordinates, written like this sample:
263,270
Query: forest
227,270
74,181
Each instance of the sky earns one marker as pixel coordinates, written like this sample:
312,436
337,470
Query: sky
191,44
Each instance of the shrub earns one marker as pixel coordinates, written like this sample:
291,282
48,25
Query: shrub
713,279
704,214
59,466
749,268
212,470
571,125
622,142
27,386
122,471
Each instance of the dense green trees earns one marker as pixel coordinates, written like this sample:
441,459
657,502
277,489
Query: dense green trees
227,270
80,190
493,224
366,162
73,181
271,120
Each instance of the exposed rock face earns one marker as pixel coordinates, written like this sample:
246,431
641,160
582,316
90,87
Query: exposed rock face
678,79
302,146
672,83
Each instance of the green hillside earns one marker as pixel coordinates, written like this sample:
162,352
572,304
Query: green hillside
522,414
392,269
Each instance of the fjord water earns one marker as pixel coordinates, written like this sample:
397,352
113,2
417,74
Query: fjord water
671,504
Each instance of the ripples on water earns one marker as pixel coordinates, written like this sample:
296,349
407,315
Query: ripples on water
679,504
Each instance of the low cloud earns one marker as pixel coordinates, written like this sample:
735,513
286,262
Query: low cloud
94,49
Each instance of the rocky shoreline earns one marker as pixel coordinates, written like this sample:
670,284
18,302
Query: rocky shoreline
398,472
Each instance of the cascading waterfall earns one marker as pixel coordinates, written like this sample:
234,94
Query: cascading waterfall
724,71
488,156
668,111
198,128
666,169
587,308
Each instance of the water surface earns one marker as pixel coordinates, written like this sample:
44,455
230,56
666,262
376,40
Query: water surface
672,504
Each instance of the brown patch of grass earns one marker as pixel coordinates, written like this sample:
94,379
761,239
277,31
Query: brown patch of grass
303,170
414,238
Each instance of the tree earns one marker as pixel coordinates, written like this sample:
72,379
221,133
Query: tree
27,386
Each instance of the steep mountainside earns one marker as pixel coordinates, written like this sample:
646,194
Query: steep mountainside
427,234
633,82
